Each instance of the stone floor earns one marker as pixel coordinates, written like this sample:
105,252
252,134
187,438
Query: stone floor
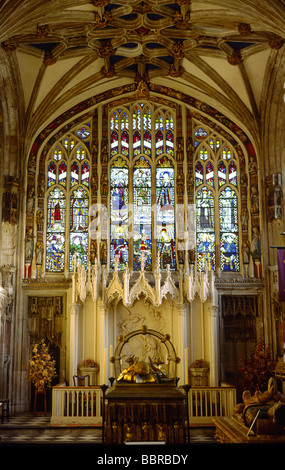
31,429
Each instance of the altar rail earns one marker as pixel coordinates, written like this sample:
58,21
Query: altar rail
76,406
83,405
206,403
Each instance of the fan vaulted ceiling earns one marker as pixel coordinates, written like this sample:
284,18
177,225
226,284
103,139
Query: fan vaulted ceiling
69,50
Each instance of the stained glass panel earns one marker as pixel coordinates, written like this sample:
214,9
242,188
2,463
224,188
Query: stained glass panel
51,174
165,214
147,143
203,153
62,174
79,222
221,174
170,143
200,133
57,154
142,214
114,143
205,228
226,153
119,179
158,143
85,174
55,248
80,153
199,178
233,173
74,174
136,144
229,240
210,174
137,118
125,143
83,133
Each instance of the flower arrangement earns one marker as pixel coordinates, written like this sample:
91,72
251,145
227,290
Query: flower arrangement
41,366
199,364
257,370
88,363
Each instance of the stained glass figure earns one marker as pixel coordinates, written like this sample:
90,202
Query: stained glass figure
62,174
142,214
165,214
119,199
85,174
136,144
221,174
74,174
114,143
55,248
210,174
51,174
125,143
233,173
169,143
199,174
147,143
159,143
205,228
229,240
79,222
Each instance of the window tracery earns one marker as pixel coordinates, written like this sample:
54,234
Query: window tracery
67,200
142,144
217,202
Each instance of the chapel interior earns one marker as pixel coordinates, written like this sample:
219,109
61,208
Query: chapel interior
142,160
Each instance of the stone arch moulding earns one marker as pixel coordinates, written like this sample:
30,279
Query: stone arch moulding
200,111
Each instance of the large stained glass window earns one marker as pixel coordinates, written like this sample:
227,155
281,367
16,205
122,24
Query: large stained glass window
228,218
205,229
165,213
142,233
119,216
142,140
78,233
68,181
216,189
56,220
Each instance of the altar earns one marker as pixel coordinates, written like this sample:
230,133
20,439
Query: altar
144,403
145,412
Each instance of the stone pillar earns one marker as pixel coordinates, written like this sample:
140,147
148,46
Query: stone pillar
213,344
73,341
183,343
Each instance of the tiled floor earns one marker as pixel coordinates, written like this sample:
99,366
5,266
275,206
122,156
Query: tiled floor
32,429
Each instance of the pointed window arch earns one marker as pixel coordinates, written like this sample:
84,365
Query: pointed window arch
150,144
67,200
217,196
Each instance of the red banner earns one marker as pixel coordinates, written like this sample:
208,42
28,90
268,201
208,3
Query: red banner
281,273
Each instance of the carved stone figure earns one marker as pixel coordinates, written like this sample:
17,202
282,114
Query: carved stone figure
268,405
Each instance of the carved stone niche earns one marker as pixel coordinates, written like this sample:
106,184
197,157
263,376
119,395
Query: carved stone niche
45,318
